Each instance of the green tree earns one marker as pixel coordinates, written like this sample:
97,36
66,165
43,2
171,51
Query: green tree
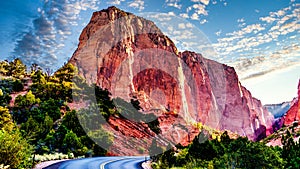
4,97
290,150
17,85
23,106
242,153
205,150
66,73
52,108
16,68
71,122
101,137
5,119
4,67
14,150
72,144
34,131
38,77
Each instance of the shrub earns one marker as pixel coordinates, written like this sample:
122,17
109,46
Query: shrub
14,150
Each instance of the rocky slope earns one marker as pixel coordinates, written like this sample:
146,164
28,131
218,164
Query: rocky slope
293,114
131,57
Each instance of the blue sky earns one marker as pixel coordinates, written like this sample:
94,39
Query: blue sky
259,38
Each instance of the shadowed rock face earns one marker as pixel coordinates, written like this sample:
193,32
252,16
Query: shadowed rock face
130,56
293,114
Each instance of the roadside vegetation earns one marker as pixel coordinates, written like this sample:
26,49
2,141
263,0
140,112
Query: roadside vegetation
225,152
37,122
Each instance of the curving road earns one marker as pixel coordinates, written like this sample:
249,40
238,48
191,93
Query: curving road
100,163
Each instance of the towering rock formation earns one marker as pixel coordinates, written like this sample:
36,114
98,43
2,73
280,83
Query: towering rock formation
131,57
293,114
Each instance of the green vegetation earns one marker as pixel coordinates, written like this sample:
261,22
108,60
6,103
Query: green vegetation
14,149
225,152
36,120
36,124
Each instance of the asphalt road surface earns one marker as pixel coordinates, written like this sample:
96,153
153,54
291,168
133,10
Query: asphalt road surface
100,163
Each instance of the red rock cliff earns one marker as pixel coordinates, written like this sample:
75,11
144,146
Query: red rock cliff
293,114
130,56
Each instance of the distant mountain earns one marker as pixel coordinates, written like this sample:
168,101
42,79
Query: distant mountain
278,110
133,59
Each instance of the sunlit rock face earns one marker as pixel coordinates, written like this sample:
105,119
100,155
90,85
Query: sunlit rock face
293,114
131,57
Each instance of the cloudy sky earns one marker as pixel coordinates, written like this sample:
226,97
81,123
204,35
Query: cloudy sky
259,38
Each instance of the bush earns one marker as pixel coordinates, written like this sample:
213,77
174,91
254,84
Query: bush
17,85
14,150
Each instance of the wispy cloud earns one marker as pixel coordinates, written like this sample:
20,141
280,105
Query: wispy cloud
218,33
174,3
184,15
205,2
137,4
115,2
195,16
251,49
197,10
261,65
43,41
200,9
203,21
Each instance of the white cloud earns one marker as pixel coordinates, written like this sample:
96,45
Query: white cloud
254,28
161,17
252,44
218,33
200,9
137,4
115,2
203,21
195,16
267,19
171,13
175,5
241,20
278,13
263,64
205,2
242,25
181,26
189,25
184,15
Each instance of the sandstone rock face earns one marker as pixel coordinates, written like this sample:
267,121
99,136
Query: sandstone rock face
130,56
293,114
